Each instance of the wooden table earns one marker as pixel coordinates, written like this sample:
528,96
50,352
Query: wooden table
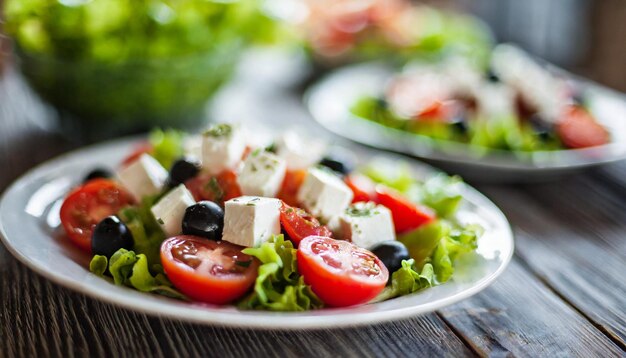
564,293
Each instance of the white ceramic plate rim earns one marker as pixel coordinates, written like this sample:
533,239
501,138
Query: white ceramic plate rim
338,119
104,290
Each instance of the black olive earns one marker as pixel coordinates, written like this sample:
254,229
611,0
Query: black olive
204,219
110,235
492,76
542,128
98,173
391,253
182,170
338,163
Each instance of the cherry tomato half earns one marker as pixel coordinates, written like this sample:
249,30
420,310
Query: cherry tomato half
578,129
339,272
208,271
291,184
299,224
406,215
219,188
87,205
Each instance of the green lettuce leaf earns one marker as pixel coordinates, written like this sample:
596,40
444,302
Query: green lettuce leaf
279,286
422,241
130,269
167,146
147,234
456,242
441,192
407,280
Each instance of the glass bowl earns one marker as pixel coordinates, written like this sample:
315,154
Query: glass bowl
97,100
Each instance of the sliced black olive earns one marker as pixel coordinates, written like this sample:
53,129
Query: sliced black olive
391,253
110,235
338,163
204,219
98,173
182,170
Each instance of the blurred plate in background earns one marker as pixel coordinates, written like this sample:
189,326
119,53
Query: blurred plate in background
331,99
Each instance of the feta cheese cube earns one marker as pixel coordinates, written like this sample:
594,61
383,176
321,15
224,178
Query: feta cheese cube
170,210
262,174
324,194
251,220
298,152
192,146
143,177
222,148
366,224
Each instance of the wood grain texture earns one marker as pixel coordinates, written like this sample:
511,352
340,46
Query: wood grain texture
576,243
519,316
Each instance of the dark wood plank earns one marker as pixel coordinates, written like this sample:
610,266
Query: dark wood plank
575,242
519,316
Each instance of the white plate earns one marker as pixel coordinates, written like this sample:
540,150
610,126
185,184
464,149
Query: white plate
29,224
330,101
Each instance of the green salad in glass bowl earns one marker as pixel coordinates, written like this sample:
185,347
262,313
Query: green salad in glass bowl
121,66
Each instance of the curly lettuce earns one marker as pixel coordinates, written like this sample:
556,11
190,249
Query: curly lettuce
279,286
407,280
147,234
167,146
130,269
441,192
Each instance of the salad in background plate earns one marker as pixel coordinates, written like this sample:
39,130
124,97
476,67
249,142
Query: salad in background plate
517,105
286,226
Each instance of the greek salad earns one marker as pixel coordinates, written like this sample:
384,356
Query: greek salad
517,105
283,226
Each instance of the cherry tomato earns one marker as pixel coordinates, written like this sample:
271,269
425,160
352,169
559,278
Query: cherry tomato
438,111
299,224
291,184
339,272
87,205
578,129
364,188
406,215
137,152
208,271
219,188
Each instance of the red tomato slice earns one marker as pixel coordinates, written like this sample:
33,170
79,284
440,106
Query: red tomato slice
299,224
406,215
87,205
578,129
137,152
364,188
208,271
339,272
438,111
291,184
219,188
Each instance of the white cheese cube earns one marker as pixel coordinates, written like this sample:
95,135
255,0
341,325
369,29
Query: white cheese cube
324,194
251,220
366,224
143,177
222,148
170,210
192,147
262,174
298,152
